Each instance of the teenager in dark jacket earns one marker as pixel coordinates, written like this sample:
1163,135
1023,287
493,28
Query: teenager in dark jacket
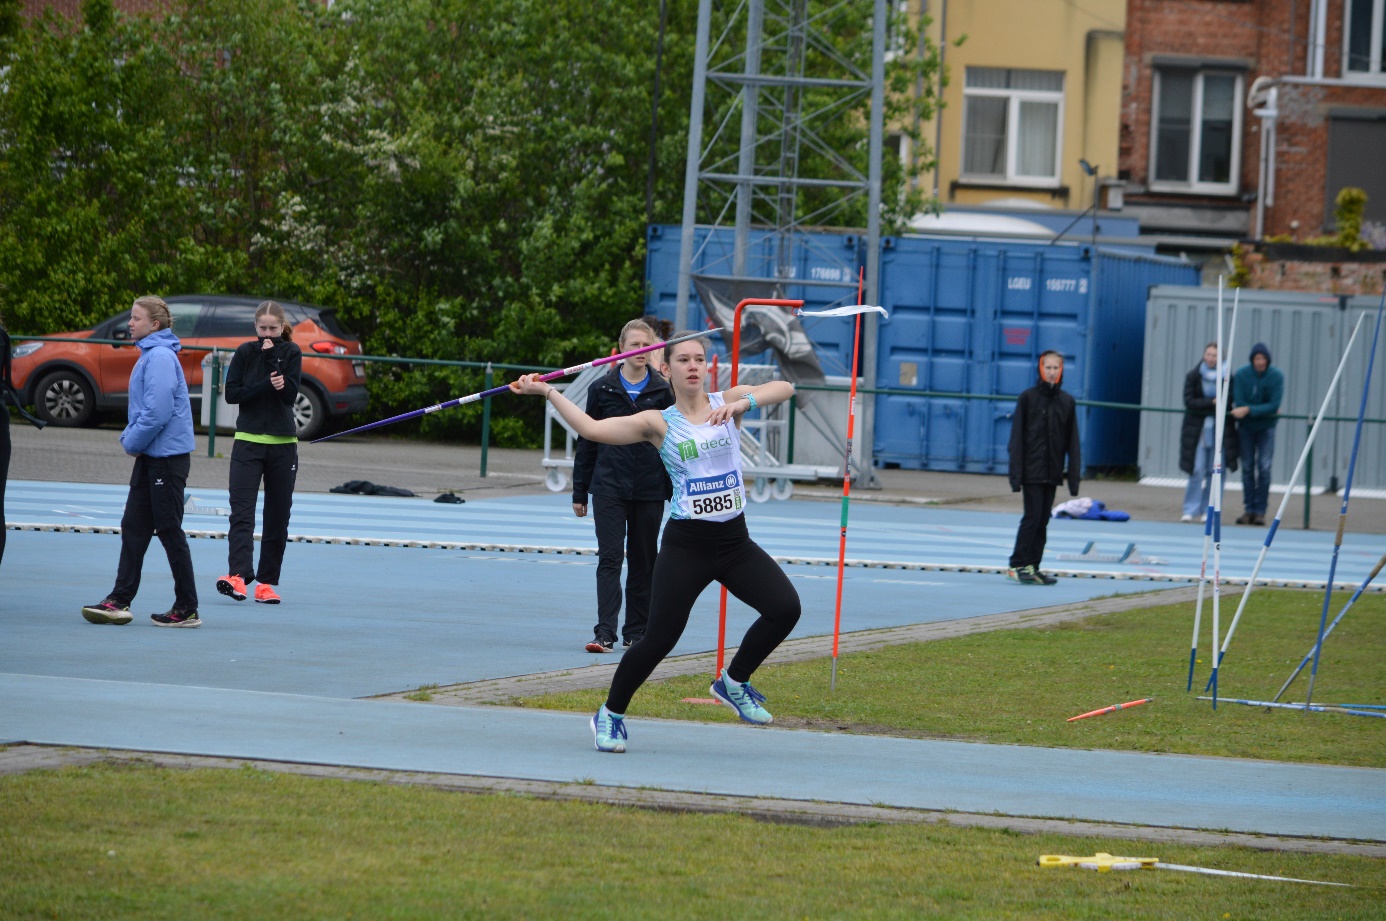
1196,434
159,436
264,379
8,398
1044,431
629,487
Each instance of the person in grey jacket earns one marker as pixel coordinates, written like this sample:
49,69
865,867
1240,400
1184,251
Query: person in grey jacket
159,436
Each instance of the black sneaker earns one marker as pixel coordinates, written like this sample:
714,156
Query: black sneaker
601,644
176,619
1247,518
1045,577
1025,575
630,641
107,612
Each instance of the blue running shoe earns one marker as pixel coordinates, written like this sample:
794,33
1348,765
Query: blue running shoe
609,731
742,698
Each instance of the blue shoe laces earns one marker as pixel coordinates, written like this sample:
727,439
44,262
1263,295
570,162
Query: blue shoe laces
617,728
736,690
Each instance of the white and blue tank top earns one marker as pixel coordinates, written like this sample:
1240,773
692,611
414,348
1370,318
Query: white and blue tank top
704,464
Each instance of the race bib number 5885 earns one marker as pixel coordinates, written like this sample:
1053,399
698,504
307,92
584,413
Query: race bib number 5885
714,495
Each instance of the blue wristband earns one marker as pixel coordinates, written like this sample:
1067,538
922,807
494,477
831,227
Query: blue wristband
752,400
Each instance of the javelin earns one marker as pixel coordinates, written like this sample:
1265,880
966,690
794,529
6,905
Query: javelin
1212,521
1219,428
1289,490
1317,708
1347,494
1112,709
1351,601
505,388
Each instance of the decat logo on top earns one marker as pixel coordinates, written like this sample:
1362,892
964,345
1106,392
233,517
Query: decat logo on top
710,447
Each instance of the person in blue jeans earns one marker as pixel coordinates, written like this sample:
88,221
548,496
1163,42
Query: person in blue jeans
1196,434
1257,390
159,436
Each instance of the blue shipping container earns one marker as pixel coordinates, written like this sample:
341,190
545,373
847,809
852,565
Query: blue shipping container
969,318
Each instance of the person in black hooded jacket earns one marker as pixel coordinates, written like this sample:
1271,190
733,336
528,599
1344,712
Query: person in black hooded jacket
629,487
1044,430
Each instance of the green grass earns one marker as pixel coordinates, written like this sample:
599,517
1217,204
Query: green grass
111,841
1020,686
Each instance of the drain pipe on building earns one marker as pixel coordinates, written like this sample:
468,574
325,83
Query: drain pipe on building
1265,94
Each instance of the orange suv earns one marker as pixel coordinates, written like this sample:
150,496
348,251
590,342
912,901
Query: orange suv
70,382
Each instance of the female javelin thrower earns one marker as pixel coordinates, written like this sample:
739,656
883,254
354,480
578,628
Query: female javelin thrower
706,540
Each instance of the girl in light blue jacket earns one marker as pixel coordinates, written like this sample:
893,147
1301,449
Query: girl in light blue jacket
159,436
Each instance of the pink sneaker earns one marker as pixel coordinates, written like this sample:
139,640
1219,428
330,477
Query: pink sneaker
265,594
233,586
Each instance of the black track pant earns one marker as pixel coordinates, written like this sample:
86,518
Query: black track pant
1034,525
156,503
4,468
627,531
277,465
693,555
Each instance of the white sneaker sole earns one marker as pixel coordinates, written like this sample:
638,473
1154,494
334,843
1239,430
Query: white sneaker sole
94,616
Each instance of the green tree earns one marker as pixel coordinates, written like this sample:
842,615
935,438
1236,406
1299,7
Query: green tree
462,179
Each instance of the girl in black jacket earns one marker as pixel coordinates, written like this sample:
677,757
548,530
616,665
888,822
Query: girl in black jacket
629,487
8,398
1044,429
263,379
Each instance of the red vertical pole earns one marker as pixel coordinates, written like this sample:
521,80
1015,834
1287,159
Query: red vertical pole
846,483
735,367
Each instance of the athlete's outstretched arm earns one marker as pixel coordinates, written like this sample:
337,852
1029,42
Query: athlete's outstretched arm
736,405
617,430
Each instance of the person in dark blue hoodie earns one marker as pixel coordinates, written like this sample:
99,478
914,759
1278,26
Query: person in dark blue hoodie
159,436
1257,390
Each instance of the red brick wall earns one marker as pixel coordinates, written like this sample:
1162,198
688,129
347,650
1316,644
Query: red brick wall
1263,33
1319,277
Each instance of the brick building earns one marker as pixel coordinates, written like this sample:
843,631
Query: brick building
1243,118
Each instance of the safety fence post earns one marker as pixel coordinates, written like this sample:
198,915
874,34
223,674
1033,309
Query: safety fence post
486,417
215,397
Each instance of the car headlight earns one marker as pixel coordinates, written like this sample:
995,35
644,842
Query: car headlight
25,348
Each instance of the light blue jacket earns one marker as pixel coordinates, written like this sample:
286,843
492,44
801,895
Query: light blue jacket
160,416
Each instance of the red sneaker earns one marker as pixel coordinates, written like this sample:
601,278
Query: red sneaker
265,594
233,586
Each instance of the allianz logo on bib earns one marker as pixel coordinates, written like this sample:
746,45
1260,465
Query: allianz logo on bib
700,486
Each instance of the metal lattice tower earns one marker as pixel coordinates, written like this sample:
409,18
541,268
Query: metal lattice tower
755,178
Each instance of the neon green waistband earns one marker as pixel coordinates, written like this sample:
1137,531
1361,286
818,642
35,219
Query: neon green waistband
267,439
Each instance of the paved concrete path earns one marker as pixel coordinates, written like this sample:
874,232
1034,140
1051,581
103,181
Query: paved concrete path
1163,790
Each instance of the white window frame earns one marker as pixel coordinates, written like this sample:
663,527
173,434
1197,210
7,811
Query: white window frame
1193,185
1013,99
1377,73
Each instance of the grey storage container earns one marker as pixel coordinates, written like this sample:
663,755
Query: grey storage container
1306,335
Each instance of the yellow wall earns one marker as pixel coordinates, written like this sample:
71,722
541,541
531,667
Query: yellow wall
1086,44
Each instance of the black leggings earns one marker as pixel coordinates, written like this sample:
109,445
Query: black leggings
692,556
4,467
277,466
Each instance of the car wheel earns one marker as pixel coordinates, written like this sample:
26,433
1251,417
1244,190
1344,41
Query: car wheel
310,413
64,398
